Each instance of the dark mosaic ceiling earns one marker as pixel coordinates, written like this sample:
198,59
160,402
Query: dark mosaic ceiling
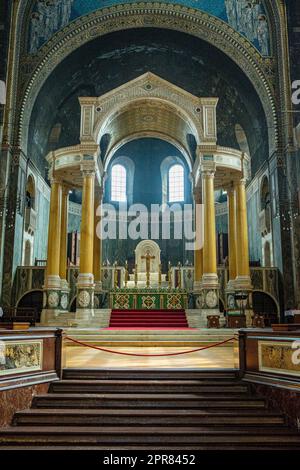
114,59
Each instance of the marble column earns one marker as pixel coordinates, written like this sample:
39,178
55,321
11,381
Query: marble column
63,248
232,235
198,253
85,281
52,285
210,282
210,275
243,280
97,263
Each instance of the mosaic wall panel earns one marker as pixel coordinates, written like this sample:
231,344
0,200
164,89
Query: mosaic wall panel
248,18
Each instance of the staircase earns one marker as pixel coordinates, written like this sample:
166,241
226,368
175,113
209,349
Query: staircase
149,409
148,319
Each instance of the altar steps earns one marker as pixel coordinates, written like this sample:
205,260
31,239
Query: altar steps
220,376
148,337
150,409
140,417
147,386
149,318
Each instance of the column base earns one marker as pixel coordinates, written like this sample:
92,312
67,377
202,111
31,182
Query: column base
197,286
52,297
64,295
243,283
85,299
210,281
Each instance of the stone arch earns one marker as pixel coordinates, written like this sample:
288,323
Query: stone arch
32,299
161,15
264,300
143,107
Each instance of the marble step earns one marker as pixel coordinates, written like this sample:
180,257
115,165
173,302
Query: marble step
152,374
148,386
145,400
141,343
224,333
69,417
121,435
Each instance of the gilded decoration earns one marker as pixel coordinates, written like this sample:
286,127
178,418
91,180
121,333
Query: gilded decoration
278,357
20,356
121,301
174,302
148,302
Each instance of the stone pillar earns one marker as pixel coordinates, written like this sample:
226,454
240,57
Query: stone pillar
232,235
198,253
210,282
85,281
243,279
52,286
210,275
97,263
63,248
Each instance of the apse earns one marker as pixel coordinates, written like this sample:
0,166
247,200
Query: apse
112,60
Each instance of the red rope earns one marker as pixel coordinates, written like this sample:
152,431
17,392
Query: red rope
147,355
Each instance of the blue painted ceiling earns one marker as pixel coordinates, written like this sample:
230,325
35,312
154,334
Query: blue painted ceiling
248,17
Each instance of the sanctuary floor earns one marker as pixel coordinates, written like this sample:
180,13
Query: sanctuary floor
214,358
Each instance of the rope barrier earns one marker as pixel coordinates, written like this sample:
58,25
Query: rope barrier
81,343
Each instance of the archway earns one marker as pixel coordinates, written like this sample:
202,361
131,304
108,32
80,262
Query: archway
32,300
264,304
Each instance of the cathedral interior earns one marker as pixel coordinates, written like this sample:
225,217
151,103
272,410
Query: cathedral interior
150,225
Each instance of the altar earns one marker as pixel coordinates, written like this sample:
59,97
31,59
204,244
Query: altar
148,299
147,271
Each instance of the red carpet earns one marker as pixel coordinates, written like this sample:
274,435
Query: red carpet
148,319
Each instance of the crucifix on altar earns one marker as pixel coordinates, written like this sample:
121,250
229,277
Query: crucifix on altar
148,259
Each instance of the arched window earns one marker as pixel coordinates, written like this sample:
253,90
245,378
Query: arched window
118,183
176,183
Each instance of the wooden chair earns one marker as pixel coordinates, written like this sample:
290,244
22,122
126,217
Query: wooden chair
236,321
258,321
